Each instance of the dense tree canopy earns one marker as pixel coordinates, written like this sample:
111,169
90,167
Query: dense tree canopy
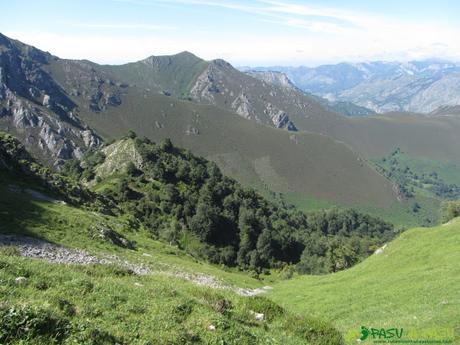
185,200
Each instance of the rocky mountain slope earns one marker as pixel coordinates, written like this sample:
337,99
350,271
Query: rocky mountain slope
204,106
274,138
217,83
417,86
282,80
36,109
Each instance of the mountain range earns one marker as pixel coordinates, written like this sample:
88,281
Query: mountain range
414,86
175,200
266,134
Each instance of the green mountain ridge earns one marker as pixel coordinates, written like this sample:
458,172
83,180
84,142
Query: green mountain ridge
205,106
111,106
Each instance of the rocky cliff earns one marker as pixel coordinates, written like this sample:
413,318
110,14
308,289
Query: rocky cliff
37,109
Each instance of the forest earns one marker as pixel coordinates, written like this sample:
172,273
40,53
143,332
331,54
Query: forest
186,201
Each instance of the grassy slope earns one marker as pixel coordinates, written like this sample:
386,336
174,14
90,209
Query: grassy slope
152,309
155,72
419,136
314,174
413,284
398,213
124,309
254,154
448,172
69,226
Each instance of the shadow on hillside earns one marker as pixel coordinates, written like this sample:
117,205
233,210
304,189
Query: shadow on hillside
20,211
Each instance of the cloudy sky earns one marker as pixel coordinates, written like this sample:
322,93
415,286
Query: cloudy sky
255,33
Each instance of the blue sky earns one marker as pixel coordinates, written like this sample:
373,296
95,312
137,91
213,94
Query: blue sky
259,32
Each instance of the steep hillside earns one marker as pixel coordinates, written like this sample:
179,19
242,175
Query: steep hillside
165,193
218,83
185,200
272,103
314,162
75,276
418,135
411,283
36,109
147,101
173,74
304,163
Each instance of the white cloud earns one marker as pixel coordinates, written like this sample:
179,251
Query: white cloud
320,35
121,26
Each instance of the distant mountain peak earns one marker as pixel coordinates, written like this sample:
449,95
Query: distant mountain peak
182,56
382,86
188,54
221,63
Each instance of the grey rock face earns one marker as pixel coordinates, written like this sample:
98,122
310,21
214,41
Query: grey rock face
36,109
205,87
274,78
41,130
279,118
252,98
242,106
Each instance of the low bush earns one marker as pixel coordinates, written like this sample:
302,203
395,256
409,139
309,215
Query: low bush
31,324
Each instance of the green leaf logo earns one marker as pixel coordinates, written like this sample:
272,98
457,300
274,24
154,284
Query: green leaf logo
364,333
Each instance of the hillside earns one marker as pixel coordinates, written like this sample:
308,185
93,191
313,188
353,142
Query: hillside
185,200
107,105
106,238
174,75
322,159
113,261
36,109
221,85
411,284
418,135
75,276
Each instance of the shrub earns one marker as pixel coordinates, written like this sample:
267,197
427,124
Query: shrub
182,311
263,305
66,307
450,210
9,251
287,272
316,332
89,335
27,323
